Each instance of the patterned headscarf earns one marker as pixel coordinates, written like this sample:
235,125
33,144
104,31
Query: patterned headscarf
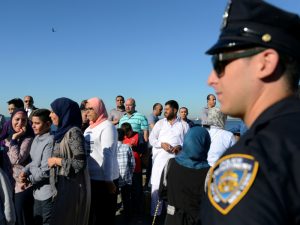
99,107
216,118
69,116
195,148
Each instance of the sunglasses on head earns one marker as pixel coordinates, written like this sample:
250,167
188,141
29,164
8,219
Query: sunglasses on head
221,60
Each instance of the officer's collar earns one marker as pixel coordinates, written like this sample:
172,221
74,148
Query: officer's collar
284,107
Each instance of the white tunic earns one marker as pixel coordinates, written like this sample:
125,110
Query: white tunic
173,134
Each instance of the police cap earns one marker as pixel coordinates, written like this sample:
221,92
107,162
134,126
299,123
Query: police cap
250,23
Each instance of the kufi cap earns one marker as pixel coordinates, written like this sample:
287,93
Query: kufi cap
250,23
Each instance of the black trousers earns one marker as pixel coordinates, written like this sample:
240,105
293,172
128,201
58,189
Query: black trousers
103,204
42,211
126,194
137,194
24,207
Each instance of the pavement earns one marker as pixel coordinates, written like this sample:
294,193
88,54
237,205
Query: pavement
138,220
143,218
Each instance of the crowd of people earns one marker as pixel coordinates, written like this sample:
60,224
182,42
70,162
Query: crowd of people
198,173
90,158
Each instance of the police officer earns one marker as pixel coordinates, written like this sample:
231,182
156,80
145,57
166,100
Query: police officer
256,70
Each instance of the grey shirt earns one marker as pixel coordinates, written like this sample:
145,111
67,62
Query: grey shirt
38,171
152,119
115,114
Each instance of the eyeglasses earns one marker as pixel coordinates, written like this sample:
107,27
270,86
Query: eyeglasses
221,60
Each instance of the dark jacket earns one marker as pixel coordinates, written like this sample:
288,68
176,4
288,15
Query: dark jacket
261,171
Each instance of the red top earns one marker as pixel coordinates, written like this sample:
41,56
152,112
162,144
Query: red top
133,142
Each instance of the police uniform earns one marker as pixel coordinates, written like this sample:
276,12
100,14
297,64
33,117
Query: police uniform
257,181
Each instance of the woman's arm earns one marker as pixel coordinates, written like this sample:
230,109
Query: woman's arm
19,153
76,145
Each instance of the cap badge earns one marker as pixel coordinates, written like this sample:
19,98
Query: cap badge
266,37
226,15
230,179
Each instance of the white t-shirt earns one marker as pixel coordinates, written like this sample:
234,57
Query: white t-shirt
101,144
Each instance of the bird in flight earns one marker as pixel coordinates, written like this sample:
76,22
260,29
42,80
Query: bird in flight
53,30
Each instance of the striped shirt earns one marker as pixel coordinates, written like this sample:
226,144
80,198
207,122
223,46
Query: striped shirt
137,121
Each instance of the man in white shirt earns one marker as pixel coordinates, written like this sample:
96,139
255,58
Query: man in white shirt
166,138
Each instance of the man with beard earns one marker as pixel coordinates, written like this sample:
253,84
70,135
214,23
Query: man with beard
167,139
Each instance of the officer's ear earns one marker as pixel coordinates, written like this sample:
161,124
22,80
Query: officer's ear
267,63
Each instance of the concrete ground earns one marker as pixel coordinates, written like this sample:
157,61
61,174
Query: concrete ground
138,220
142,219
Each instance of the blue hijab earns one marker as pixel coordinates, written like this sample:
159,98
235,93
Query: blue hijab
195,148
69,116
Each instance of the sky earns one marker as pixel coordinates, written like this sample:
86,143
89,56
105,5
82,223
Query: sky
151,50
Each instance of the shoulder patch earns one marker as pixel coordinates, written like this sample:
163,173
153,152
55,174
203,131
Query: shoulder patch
230,179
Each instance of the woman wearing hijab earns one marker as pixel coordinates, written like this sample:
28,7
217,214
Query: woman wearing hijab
68,166
185,178
17,148
102,142
221,139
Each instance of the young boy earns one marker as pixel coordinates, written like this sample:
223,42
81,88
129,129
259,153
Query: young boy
37,172
126,165
132,139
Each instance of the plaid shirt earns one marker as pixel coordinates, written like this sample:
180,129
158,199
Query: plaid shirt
126,164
